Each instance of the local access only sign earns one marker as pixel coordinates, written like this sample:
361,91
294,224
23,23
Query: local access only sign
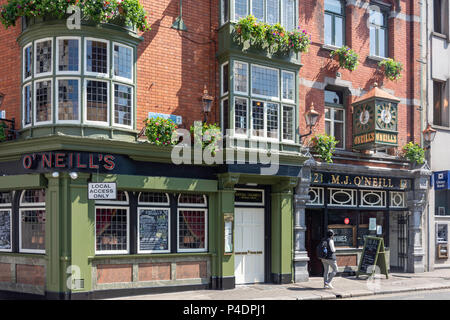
102,191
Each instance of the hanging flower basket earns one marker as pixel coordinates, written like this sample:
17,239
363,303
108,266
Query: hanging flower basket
347,58
392,69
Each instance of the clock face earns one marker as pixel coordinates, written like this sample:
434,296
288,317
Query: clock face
387,116
364,116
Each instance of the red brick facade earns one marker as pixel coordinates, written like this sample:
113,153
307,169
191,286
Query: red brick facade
174,66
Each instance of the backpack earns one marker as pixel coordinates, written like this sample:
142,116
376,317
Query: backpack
322,249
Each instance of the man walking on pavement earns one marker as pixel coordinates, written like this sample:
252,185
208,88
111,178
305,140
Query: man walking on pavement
329,261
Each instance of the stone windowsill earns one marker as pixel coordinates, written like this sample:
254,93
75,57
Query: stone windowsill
329,47
376,58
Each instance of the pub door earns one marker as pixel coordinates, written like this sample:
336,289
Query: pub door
314,233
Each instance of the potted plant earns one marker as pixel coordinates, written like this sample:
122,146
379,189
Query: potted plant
208,135
392,68
346,57
324,145
414,153
160,131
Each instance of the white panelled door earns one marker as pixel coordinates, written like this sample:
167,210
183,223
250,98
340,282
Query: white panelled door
249,245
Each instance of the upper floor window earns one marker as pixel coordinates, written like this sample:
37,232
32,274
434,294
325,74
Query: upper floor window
270,11
334,22
440,16
75,94
441,115
378,32
335,116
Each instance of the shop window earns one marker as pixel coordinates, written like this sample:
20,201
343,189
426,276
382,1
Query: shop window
123,105
43,57
112,225
68,55
43,101
27,62
334,22
5,221
441,113
97,62
335,116
192,230
123,62
441,233
97,101
68,103
32,217
344,225
378,32
372,224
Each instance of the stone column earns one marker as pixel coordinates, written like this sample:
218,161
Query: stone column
301,196
417,202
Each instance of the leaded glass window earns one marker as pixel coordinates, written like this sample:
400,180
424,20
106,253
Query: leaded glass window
43,100
123,105
265,81
68,55
97,101
43,64
123,62
96,57
68,100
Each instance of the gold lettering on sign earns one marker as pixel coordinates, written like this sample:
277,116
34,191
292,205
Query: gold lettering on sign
375,182
357,180
365,138
367,181
386,137
335,179
346,182
390,183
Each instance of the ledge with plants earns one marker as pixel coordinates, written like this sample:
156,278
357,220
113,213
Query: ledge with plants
160,131
272,37
392,69
324,145
414,153
129,11
347,58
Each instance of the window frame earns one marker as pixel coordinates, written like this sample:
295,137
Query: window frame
169,244
189,205
52,95
293,123
266,136
333,121
8,207
284,23
111,207
271,98
443,86
57,56
282,86
205,211
385,27
113,106
108,110
333,25
57,100
28,207
105,76
247,82
34,66
119,78
153,203
241,135
24,57
24,105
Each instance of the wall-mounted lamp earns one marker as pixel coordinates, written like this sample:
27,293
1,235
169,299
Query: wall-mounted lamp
207,101
55,174
179,23
428,135
311,118
74,175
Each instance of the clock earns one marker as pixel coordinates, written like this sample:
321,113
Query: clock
387,116
363,118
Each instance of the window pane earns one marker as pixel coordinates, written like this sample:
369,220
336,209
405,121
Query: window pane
123,62
153,197
111,229
258,118
364,226
68,100
240,115
289,15
339,134
28,58
258,9
333,6
43,56
328,29
240,77
338,32
5,230
338,115
328,113
43,101
225,78
240,9
373,41
328,127
437,15
97,101
344,233
273,11
5,198
226,117
33,196
437,102
191,232
288,86
264,81
32,224
377,18
192,199
225,10
97,56
122,105
288,123
382,52
154,229
272,120
68,55
27,103
334,97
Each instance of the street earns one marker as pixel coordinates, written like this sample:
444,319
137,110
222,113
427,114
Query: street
416,295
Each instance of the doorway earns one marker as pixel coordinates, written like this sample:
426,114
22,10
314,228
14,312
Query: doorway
314,233
249,255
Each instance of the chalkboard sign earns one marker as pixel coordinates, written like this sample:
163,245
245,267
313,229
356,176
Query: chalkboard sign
373,255
5,230
153,230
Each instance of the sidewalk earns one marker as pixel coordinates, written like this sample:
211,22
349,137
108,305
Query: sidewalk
313,289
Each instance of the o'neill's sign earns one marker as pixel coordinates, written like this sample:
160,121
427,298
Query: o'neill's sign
348,180
375,137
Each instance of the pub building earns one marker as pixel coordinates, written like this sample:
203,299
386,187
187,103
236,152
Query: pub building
357,197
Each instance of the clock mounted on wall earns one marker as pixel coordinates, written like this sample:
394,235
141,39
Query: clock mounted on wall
364,116
387,116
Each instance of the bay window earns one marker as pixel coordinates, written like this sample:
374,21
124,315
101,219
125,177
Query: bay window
269,11
108,97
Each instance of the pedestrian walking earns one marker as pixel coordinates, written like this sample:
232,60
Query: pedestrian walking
327,254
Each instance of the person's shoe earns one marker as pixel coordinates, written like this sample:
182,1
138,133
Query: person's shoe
326,286
330,286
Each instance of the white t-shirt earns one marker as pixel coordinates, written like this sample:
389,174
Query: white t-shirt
331,243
